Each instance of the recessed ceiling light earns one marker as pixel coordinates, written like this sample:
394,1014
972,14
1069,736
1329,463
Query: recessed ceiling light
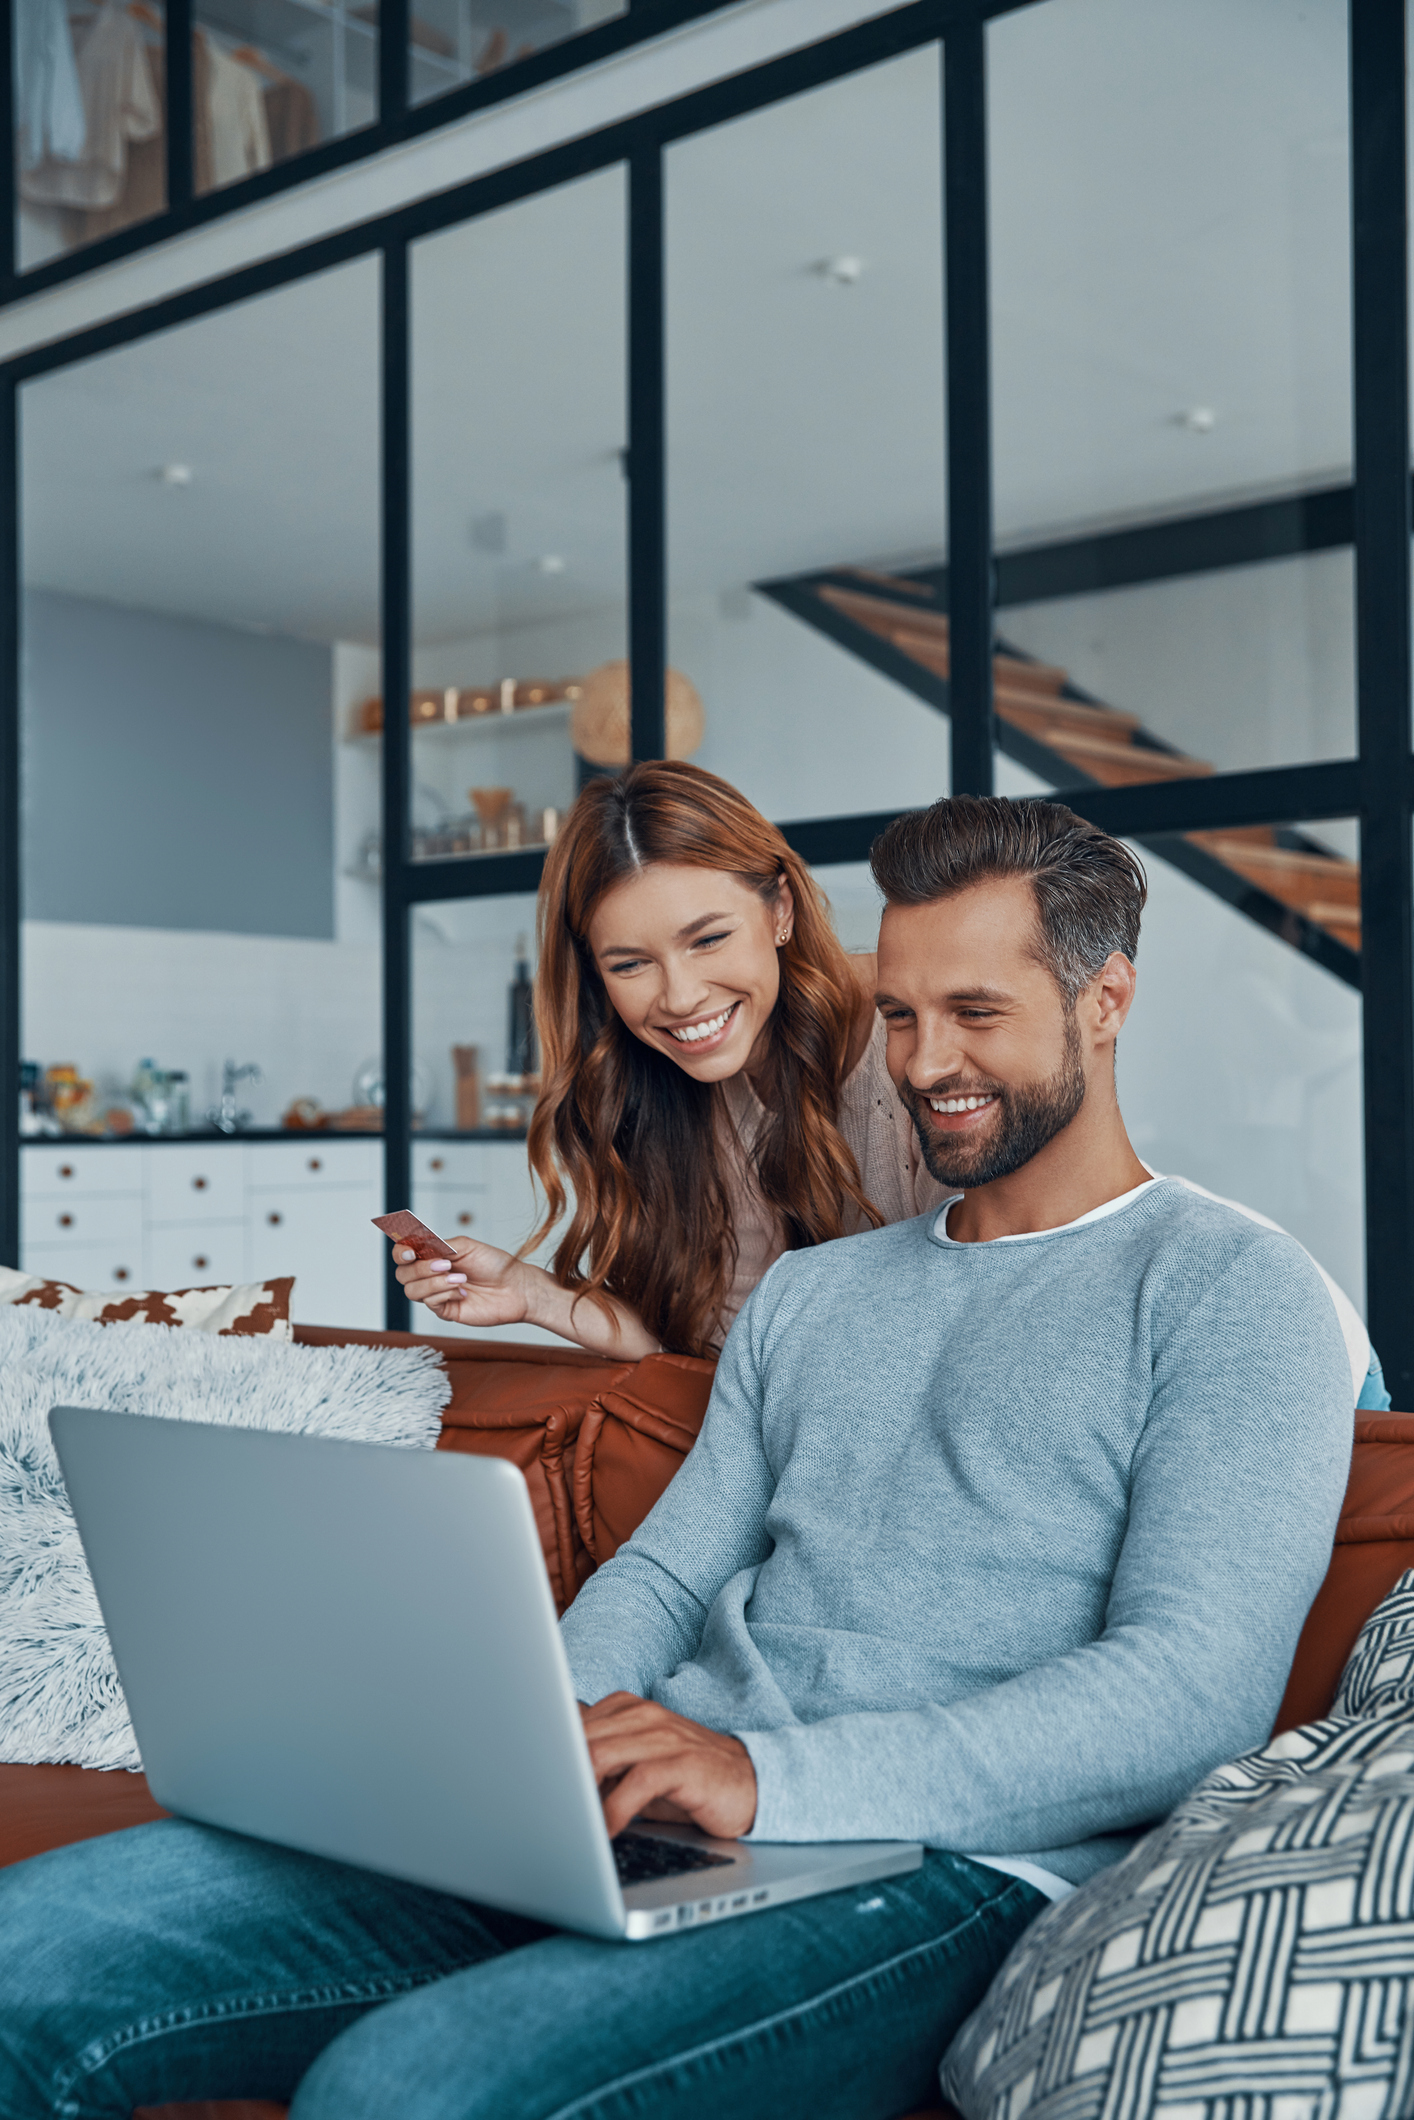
175,474
844,270
550,563
1197,419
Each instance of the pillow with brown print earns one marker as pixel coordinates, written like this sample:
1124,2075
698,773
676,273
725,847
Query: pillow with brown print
254,1307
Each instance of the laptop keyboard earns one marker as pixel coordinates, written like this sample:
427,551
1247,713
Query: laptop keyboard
640,1857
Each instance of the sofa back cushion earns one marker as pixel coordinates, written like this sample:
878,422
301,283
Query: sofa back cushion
597,1440
1374,1544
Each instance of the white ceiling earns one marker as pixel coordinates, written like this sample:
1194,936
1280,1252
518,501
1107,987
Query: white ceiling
1169,215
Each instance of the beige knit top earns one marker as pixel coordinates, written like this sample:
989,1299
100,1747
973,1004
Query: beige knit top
877,1128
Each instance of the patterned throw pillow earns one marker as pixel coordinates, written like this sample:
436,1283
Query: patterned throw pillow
1252,1958
255,1307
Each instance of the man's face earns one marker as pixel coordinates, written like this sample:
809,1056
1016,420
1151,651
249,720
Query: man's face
982,1049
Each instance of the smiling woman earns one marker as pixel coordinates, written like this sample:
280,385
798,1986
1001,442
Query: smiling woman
715,1088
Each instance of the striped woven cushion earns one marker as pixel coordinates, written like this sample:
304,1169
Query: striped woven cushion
1253,1956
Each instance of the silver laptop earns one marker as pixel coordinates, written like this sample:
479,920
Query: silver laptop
352,1649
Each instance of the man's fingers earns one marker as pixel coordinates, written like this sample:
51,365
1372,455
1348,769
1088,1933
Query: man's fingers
638,1788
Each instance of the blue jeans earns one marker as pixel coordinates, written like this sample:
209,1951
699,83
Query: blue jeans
176,1962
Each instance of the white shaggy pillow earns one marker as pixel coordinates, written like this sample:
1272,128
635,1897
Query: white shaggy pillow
60,1700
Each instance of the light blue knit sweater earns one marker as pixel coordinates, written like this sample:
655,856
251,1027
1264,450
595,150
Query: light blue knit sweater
1000,1547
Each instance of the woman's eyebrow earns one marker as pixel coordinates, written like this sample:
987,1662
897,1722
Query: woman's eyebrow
636,949
705,920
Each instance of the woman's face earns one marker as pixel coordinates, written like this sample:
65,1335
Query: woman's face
689,960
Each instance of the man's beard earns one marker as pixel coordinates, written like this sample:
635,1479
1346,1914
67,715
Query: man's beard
1027,1118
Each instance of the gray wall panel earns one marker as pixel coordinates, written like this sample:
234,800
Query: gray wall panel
177,774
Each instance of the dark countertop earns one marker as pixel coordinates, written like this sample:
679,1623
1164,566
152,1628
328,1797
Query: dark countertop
313,1136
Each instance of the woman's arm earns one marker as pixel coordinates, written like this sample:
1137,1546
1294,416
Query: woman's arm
488,1287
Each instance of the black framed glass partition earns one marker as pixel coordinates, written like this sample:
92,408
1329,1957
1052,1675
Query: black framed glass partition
1078,460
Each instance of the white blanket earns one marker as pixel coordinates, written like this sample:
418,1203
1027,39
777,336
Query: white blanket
59,1694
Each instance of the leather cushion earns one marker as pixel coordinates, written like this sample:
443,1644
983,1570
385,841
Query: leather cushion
1374,1544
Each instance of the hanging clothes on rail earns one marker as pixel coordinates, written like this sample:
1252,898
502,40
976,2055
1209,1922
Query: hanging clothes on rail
292,116
240,136
120,106
49,114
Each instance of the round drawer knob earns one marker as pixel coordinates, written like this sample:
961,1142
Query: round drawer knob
436,1164
121,1273
316,1163
201,1262
66,1170
66,1221
198,1184
466,1218
274,1219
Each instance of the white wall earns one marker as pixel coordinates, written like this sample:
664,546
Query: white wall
1251,667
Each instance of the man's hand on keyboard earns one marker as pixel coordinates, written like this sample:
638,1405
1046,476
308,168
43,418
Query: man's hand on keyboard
650,1763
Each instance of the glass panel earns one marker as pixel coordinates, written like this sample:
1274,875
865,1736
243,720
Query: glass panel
272,78
473,1090
1255,930
90,132
805,433
201,610
518,515
1171,341
454,41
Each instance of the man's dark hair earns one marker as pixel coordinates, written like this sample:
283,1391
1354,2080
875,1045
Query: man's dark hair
1089,889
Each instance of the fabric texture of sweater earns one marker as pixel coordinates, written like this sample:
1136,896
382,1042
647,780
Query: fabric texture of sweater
1001,1547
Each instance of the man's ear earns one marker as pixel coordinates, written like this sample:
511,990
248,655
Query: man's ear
1111,996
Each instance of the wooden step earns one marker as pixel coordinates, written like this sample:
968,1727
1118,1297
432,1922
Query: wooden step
1124,765
1298,879
899,583
879,615
1045,718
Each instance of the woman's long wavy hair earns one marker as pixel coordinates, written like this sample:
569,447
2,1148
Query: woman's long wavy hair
631,1132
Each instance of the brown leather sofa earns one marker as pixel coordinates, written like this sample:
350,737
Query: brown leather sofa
598,1441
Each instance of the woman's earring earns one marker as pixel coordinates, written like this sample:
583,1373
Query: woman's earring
784,937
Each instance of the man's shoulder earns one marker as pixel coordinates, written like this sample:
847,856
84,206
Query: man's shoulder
1199,1248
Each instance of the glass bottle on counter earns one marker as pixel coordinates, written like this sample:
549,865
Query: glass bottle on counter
521,1056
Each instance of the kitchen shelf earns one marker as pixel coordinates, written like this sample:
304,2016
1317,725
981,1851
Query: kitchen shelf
555,714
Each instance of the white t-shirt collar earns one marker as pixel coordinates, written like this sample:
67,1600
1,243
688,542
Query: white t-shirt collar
1027,1236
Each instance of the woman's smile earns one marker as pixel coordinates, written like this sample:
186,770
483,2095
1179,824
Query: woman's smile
704,1033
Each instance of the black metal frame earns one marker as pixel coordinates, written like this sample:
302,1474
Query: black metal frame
397,120
1374,514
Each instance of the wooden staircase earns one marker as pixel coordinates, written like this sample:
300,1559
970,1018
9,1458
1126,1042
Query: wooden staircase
1289,883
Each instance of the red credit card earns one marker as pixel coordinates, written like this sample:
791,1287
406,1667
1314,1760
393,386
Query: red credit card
405,1229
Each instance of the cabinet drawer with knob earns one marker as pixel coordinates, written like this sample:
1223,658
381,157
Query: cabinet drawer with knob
193,1255
85,1218
58,1168
203,1184
316,1164
460,1165
95,1266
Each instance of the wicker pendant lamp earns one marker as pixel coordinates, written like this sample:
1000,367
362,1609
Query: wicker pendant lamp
599,728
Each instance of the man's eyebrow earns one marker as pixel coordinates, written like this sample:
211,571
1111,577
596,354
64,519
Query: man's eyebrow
991,994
